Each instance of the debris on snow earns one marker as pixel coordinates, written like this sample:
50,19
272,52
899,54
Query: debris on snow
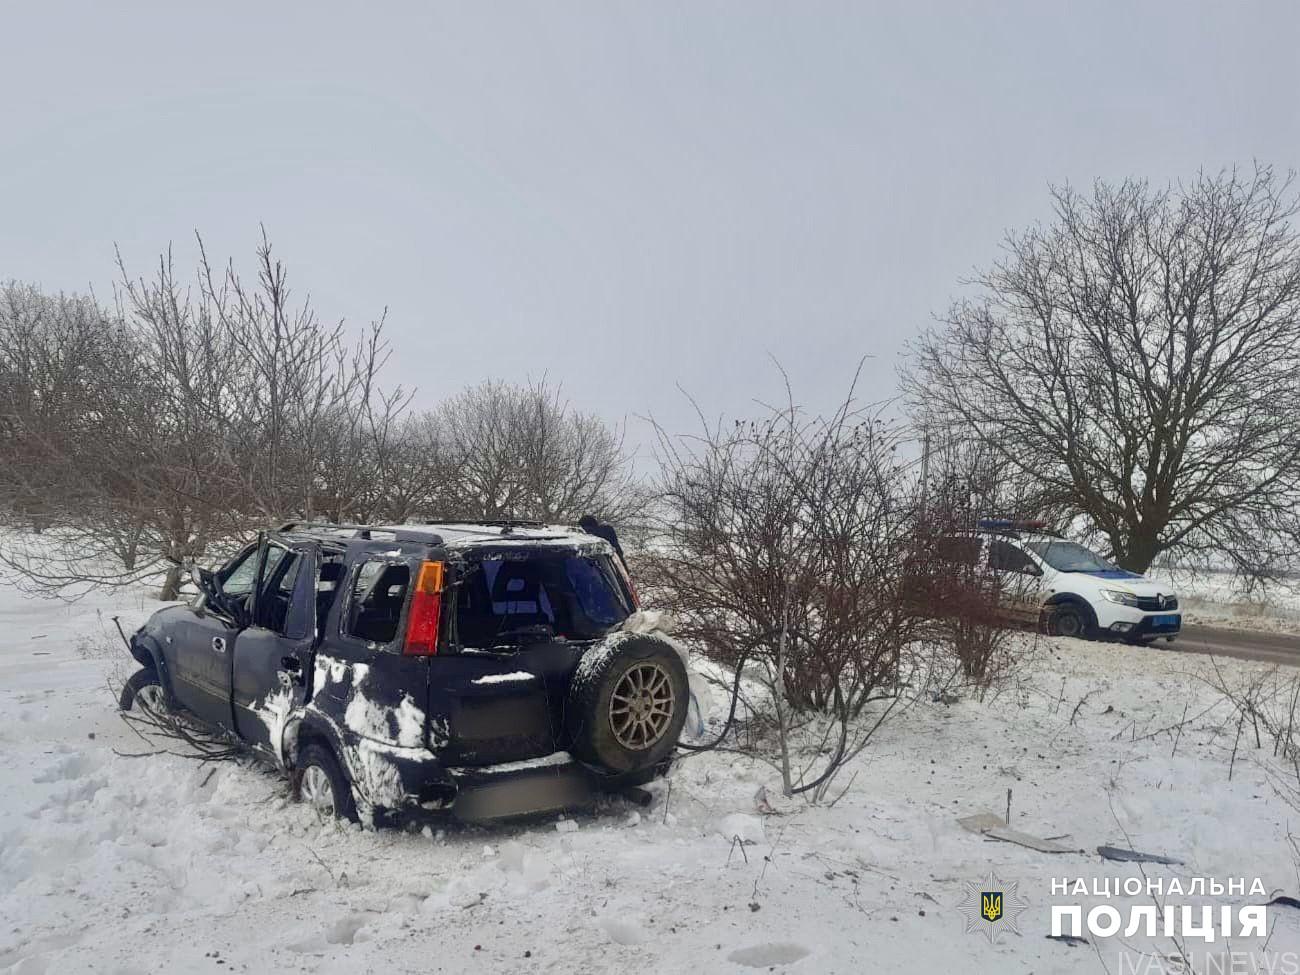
1133,856
994,827
1071,940
769,955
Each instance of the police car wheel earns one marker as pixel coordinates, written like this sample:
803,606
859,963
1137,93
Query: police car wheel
1069,620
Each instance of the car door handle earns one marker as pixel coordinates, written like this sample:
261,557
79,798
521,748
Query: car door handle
290,672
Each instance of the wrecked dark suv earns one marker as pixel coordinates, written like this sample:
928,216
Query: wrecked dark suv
483,669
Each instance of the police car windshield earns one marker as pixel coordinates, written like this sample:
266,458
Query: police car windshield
1066,556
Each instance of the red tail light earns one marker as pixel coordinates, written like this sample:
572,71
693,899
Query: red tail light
426,609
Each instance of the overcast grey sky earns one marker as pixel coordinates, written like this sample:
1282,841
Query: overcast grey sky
623,196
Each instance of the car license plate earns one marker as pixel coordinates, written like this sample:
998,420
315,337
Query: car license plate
1169,622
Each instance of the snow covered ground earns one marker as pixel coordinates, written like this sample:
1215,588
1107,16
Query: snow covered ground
155,864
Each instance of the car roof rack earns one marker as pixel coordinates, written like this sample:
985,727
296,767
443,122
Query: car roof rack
400,533
488,522
297,526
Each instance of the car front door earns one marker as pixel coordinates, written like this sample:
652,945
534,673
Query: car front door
272,662
197,650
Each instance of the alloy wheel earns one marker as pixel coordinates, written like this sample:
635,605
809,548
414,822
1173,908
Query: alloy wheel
641,707
151,698
316,791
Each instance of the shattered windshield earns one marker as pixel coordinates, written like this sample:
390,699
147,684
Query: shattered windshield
1069,556
510,601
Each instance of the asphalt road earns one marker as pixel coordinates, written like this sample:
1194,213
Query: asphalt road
1274,648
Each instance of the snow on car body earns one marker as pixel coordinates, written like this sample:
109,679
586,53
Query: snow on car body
478,667
1067,587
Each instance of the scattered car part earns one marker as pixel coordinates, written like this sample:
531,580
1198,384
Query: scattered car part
994,827
1133,856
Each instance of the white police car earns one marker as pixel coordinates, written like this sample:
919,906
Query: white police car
1072,590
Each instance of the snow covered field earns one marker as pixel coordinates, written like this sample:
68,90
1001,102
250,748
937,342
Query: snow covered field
155,864
1212,599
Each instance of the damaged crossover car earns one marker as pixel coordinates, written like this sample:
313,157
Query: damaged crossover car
491,670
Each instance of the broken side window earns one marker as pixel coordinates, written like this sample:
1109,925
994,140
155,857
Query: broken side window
375,607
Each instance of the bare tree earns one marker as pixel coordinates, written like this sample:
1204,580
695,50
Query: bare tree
63,360
191,416
1138,361
314,423
165,431
419,476
525,452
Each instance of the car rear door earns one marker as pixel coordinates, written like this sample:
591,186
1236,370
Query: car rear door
272,660
1019,579
368,686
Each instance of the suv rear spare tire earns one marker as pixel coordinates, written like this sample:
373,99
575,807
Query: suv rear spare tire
627,703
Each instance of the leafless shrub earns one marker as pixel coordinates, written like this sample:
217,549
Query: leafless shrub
787,543
1266,702
64,363
783,541
1262,715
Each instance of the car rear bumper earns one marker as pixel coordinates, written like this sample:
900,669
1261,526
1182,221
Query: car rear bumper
516,789
489,792
484,793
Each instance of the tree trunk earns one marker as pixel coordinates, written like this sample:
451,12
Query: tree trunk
1140,551
171,587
